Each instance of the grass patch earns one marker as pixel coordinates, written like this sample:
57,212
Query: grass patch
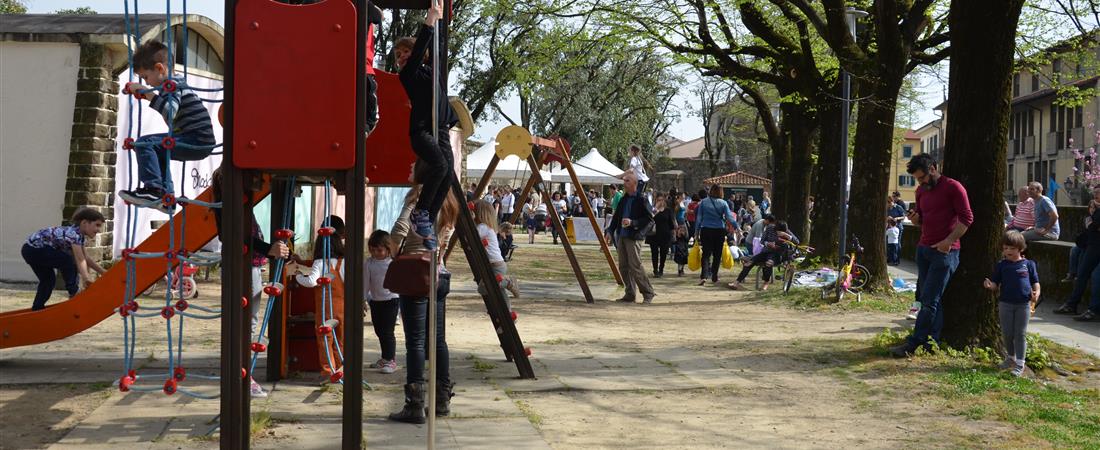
259,422
1063,412
559,341
810,299
481,366
669,364
532,415
1064,418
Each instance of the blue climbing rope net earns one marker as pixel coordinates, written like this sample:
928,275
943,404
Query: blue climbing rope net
175,307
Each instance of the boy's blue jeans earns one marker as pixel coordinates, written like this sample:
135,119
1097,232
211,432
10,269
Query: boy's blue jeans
44,261
152,160
934,270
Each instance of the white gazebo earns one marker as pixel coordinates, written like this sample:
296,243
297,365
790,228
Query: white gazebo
511,167
592,169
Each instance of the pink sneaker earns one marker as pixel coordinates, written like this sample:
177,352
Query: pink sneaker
389,367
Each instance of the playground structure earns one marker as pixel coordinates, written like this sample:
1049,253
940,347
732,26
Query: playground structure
276,128
539,151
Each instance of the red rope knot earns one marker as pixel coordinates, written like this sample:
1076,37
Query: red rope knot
274,289
171,256
182,305
515,316
168,142
128,253
169,85
170,386
124,383
258,347
284,234
244,302
169,200
324,281
124,310
527,351
133,306
167,312
128,143
326,231
336,377
179,374
323,330
244,372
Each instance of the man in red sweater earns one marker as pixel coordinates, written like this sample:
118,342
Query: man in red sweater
943,212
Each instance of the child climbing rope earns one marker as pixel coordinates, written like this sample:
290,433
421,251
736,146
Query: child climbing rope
192,135
326,347
415,65
53,248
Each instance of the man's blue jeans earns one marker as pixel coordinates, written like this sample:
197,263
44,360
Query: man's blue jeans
934,270
152,157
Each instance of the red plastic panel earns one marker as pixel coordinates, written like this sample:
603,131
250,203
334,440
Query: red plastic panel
389,150
294,87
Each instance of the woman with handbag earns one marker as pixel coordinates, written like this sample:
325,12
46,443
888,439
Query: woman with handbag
711,218
408,277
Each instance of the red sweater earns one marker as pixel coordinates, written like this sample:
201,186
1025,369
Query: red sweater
941,208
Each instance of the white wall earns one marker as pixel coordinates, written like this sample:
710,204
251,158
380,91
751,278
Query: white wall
37,91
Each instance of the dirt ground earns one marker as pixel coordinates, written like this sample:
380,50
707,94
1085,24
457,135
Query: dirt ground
702,367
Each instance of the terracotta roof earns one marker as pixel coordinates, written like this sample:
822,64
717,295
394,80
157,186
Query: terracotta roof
739,179
687,150
911,135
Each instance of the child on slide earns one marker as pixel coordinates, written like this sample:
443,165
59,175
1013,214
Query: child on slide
54,248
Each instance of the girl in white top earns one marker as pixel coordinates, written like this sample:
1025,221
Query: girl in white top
486,219
383,303
637,166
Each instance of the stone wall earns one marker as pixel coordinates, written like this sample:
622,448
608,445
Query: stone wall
91,174
1051,258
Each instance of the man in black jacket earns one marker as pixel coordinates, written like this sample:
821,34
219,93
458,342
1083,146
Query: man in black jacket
627,230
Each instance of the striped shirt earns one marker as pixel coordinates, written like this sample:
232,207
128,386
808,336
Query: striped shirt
185,113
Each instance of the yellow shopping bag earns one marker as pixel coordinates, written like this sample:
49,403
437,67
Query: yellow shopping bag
727,257
695,257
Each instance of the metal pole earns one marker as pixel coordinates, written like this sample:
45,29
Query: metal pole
432,330
845,93
431,347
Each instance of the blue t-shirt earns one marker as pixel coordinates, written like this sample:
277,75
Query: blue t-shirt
1015,279
1043,207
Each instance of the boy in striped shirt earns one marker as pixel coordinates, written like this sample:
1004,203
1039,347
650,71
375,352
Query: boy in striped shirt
184,113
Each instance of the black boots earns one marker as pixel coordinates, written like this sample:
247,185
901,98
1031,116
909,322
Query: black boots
443,394
413,411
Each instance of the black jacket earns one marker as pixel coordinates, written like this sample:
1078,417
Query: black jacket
666,225
640,215
416,77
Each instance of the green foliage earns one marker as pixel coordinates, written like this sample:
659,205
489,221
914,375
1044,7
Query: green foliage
12,7
1037,356
889,338
83,10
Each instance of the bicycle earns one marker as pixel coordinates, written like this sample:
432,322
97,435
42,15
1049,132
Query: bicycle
795,256
852,277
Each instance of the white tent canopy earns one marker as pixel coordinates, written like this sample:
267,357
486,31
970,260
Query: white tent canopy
477,162
593,168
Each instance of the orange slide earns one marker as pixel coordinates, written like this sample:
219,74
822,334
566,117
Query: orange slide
98,301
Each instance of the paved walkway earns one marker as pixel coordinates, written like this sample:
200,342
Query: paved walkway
1058,328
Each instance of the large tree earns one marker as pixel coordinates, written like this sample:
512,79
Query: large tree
983,36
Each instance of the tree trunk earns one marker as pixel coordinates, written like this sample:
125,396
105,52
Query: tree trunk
801,137
823,237
781,163
871,173
983,36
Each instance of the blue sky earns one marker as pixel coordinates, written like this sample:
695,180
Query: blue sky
687,128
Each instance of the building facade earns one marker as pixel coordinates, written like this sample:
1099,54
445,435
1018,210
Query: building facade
906,147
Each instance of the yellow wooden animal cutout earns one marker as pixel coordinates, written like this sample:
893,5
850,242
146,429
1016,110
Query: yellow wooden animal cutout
514,140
